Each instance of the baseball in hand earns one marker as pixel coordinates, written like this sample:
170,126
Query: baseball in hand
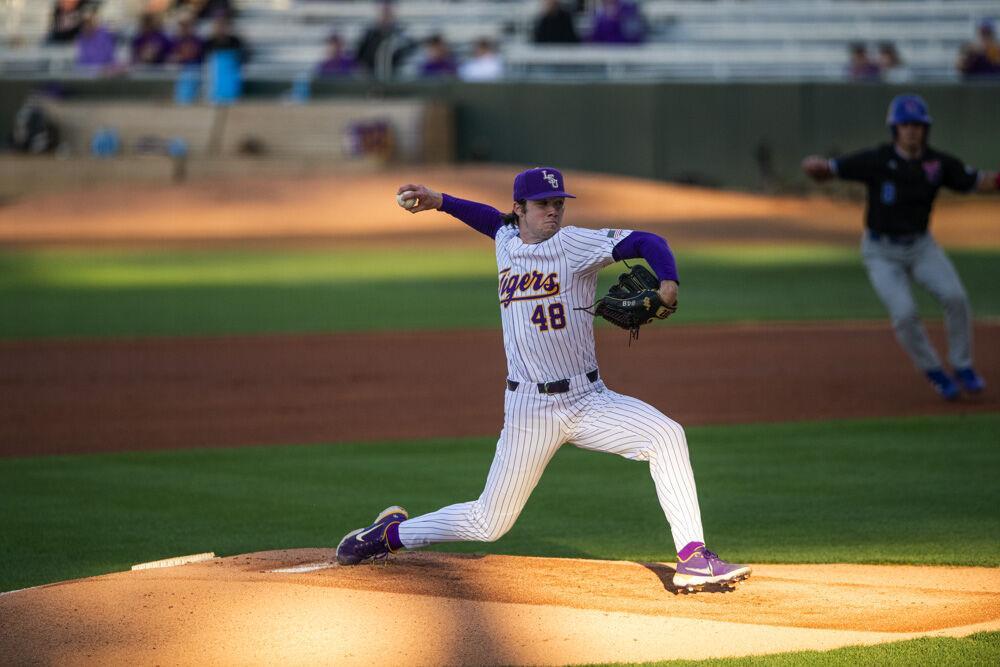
406,199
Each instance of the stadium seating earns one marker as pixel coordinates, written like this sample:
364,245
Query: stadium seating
688,39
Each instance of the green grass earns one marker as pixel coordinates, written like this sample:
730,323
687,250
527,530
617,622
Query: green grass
979,649
891,491
62,293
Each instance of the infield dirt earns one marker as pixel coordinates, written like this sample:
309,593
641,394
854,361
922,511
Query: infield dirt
65,397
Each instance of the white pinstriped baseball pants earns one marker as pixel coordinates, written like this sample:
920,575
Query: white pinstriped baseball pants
535,426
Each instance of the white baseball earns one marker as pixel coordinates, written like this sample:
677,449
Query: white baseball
406,199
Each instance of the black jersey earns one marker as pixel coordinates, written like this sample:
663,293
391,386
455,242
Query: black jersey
900,191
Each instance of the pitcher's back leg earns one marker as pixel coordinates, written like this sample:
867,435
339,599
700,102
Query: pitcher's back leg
529,440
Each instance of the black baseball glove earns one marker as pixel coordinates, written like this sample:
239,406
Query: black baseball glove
633,301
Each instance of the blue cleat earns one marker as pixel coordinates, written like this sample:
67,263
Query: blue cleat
943,384
971,381
371,543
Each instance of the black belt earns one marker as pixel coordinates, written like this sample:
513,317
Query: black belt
898,239
554,386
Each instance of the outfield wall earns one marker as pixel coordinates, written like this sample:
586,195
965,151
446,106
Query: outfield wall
733,135
708,133
335,129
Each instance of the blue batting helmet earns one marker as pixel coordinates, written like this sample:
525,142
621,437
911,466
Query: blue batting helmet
907,108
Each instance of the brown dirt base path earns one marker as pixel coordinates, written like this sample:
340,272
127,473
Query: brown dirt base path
64,397
297,607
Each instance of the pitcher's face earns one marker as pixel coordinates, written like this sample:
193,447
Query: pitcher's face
540,219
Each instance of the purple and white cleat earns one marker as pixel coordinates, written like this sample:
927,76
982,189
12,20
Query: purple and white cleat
698,569
371,543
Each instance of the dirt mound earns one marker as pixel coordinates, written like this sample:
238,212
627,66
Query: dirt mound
298,607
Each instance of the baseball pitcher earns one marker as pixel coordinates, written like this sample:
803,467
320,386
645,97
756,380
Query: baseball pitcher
546,276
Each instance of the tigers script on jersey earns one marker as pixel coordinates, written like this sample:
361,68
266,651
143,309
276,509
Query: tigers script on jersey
539,285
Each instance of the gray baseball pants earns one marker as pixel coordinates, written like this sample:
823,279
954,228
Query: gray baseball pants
891,266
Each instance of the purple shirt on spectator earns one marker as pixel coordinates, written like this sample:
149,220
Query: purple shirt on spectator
96,48
187,50
977,65
618,23
342,65
433,68
866,71
150,48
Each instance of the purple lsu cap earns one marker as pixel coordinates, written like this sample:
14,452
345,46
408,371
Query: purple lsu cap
539,183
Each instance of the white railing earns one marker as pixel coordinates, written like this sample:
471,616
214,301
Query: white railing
687,61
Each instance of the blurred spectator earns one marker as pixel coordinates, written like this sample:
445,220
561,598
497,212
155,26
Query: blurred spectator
618,22
982,59
204,9
337,63
151,45
891,65
973,63
187,47
988,44
382,32
438,61
225,55
555,25
224,39
95,47
485,64
861,67
67,19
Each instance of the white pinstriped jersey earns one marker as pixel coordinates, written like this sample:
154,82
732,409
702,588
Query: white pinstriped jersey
540,284
546,340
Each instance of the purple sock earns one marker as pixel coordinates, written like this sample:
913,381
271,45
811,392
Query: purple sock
686,552
392,537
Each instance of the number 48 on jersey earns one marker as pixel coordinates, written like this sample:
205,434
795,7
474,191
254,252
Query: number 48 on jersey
556,318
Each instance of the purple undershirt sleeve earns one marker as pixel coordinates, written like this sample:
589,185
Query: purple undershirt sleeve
484,219
653,249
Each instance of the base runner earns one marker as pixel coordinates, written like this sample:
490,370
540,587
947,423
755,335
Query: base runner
903,179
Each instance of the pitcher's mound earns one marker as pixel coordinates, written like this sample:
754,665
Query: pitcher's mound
299,607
